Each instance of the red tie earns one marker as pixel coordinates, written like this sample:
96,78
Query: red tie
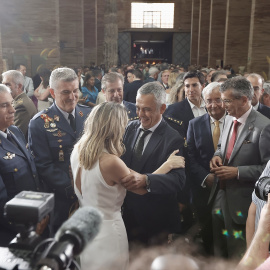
233,139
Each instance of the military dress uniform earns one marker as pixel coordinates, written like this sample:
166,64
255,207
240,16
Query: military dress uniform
17,173
52,138
25,110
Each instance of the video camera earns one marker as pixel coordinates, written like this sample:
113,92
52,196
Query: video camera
28,251
262,188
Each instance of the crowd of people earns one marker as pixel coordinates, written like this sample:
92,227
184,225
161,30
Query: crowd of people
164,154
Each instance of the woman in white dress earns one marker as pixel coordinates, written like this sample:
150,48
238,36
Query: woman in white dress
97,170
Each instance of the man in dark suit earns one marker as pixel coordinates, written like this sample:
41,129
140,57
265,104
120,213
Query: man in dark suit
240,159
98,76
202,138
24,106
131,89
17,167
156,212
193,106
153,75
52,134
257,82
112,87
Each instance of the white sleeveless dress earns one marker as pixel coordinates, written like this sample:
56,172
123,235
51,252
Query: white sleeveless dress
109,250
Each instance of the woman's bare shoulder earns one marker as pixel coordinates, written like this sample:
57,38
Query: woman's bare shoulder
113,166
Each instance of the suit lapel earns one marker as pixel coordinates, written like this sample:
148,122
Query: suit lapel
205,125
225,135
249,126
188,111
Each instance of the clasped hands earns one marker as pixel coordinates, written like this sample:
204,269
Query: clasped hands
221,171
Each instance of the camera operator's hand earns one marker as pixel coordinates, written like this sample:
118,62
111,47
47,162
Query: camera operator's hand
258,251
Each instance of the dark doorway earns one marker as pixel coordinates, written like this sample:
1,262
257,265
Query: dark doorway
151,47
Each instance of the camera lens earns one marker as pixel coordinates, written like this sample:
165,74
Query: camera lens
262,188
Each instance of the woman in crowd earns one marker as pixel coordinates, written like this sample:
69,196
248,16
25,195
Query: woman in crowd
177,93
42,93
90,92
97,170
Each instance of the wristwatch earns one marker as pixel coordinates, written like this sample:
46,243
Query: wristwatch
147,182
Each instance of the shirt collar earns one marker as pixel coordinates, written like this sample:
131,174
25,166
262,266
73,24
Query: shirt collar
152,129
202,105
221,120
244,117
256,106
66,114
4,134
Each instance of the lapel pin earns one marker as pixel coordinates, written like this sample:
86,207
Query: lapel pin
81,113
9,156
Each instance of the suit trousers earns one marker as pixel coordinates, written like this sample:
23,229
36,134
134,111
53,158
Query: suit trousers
229,237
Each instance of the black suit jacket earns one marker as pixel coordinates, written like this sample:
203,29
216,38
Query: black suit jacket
200,152
181,111
264,110
156,211
98,84
130,91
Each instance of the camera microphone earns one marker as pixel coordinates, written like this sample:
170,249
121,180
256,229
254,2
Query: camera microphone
71,239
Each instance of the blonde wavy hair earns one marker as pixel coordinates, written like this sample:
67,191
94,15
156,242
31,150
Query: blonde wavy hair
178,87
103,129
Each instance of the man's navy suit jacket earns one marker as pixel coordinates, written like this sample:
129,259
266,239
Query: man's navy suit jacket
264,110
156,211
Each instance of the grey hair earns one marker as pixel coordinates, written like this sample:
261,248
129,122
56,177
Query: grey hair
111,78
62,74
153,70
4,89
15,75
156,89
256,75
210,88
266,87
240,87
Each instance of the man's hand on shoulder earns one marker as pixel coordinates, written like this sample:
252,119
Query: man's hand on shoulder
133,181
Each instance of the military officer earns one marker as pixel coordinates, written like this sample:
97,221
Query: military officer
17,167
52,135
24,106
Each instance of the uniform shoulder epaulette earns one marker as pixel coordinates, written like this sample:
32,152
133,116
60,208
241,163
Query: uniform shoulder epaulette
176,121
133,118
19,101
83,106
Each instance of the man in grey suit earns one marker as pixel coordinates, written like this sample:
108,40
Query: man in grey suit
238,162
24,106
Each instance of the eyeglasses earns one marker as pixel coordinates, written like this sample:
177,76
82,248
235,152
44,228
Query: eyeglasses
229,101
216,101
